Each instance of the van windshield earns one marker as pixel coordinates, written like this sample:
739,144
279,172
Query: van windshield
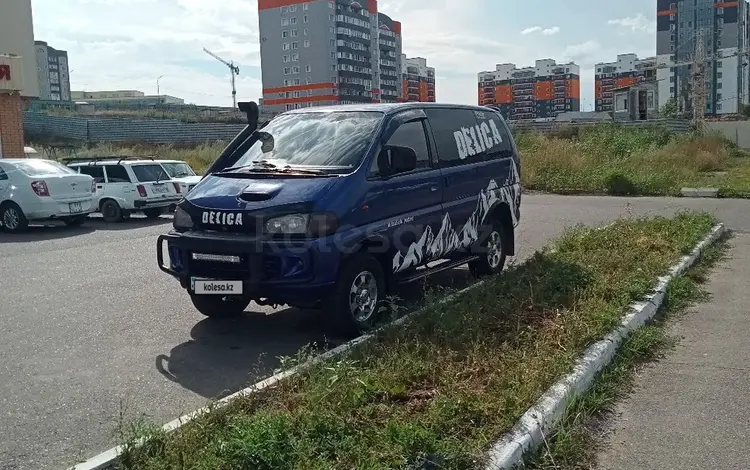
322,140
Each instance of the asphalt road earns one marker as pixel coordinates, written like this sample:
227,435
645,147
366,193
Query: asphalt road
92,330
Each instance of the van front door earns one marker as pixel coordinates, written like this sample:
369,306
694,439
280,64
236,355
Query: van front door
407,207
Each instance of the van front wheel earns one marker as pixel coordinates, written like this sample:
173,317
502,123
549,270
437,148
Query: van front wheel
491,251
360,290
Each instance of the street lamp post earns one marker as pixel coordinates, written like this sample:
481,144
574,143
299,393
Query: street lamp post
158,90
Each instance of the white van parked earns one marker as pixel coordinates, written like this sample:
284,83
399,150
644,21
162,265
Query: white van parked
125,185
34,189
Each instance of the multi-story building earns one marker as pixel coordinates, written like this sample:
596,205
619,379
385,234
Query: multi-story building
18,85
52,72
418,80
17,38
124,98
718,31
388,75
542,91
626,71
319,52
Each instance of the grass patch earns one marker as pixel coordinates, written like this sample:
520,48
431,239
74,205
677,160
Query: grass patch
576,442
199,157
619,160
453,379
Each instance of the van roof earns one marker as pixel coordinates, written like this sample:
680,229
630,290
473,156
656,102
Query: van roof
387,108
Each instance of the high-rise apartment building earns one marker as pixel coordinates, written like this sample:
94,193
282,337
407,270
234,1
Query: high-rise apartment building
627,70
418,80
320,52
389,46
52,72
716,30
542,91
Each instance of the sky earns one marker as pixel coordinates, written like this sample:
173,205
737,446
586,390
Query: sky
129,44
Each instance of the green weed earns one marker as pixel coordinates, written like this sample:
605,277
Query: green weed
438,390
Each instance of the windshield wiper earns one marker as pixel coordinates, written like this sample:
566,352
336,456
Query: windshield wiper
267,167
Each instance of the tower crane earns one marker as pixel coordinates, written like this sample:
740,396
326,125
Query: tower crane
233,70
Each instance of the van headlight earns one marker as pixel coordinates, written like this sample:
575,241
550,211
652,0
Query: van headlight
181,219
292,224
314,225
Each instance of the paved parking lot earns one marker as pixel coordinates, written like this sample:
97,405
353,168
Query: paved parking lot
91,328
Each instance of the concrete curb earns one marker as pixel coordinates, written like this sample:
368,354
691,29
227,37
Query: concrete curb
108,459
539,420
699,192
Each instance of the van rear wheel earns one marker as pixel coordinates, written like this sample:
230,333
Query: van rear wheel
491,251
354,306
219,306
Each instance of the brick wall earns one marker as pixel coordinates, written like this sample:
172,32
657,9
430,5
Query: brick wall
11,125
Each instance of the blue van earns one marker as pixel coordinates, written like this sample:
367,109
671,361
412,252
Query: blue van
330,207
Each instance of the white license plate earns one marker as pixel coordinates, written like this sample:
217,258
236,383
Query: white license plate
160,189
214,286
75,207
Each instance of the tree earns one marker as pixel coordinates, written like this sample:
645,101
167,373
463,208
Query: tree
669,110
745,110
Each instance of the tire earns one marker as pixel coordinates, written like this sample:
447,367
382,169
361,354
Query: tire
491,251
13,218
354,306
111,211
153,213
217,306
76,221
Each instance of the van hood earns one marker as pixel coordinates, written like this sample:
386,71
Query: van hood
251,194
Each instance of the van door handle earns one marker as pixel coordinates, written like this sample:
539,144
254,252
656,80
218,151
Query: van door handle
433,188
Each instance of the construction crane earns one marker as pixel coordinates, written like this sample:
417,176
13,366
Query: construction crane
233,71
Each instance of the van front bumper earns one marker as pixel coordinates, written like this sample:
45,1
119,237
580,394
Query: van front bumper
299,273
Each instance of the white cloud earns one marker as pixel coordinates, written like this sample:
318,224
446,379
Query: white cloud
582,52
111,44
127,44
538,29
638,23
533,29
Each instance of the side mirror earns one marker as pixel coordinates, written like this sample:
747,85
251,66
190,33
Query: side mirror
402,159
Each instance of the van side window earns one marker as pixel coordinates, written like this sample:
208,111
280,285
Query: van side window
455,132
502,147
410,134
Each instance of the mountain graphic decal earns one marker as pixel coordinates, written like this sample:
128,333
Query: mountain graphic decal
431,247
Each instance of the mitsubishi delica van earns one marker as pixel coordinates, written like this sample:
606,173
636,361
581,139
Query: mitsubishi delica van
331,207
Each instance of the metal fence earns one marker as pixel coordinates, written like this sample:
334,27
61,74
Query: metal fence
39,126
674,125
43,127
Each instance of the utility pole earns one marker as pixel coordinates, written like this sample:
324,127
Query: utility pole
158,90
233,71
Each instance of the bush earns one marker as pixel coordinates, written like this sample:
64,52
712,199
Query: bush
624,160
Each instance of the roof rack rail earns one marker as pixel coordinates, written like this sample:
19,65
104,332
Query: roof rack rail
119,158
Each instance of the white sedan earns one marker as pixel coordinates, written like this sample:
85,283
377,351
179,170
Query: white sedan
33,189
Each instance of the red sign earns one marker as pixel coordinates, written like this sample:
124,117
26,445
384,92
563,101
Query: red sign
4,72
